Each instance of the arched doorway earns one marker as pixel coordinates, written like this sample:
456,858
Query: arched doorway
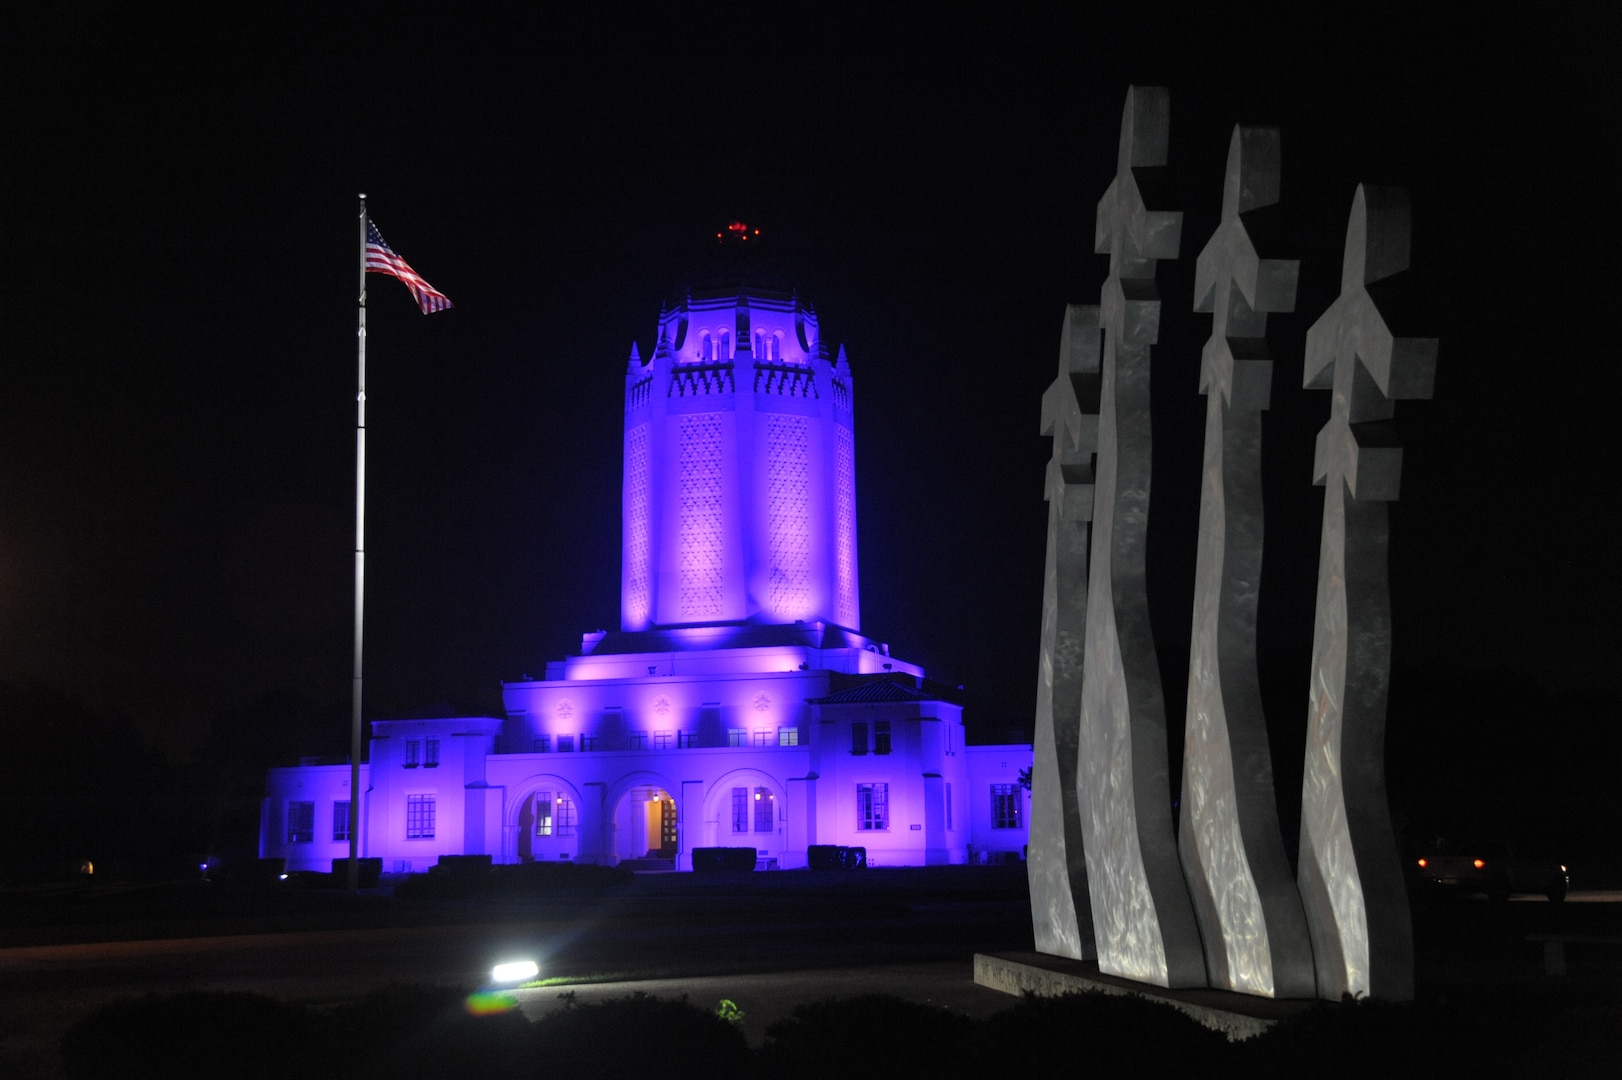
549,824
645,824
747,808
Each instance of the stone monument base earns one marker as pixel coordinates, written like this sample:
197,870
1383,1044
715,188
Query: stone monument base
1238,1016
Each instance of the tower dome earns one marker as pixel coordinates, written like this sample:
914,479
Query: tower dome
739,497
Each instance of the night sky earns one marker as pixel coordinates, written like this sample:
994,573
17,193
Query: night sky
177,319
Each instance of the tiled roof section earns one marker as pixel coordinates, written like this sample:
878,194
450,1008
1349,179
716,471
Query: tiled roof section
879,690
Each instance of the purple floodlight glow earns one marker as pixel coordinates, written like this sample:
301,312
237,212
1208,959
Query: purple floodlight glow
739,484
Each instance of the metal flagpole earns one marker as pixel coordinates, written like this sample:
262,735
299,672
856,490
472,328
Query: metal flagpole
360,567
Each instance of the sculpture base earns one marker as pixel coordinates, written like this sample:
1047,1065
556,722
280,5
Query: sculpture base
1239,1016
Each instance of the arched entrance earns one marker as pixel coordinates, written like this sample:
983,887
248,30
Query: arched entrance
747,808
549,823
645,824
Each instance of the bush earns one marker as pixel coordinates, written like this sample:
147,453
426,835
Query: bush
834,857
462,866
871,1035
638,1038
425,1032
515,881
709,860
371,872
191,1034
1121,1034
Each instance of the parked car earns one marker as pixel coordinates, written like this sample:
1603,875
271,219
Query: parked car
1490,868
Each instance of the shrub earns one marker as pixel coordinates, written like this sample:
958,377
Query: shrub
371,872
190,1034
1120,1034
834,857
639,1037
869,1035
709,860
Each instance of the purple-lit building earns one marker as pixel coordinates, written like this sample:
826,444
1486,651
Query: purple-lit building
737,705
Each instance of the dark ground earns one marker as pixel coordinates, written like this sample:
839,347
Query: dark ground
66,950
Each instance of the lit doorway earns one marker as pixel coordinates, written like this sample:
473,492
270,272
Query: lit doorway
645,825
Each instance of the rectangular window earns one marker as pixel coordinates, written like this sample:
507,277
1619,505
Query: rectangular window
300,822
565,744
858,737
587,743
763,810
872,807
565,815
662,740
740,810
1005,806
763,738
431,756
543,813
639,740
340,820
949,824
543,744
419,817
686,740
413,753
788,736
736,736
881,736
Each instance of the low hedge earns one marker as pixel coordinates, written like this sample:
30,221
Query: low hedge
710,860
834,857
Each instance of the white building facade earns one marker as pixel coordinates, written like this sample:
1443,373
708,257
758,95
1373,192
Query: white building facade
738,705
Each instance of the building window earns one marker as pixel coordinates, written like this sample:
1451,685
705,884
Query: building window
639,740
1005,806
881,736
763,738
662,740
340,820
872,807
300,822
543,813
431,755
858,737
419,817
413,753
737,736
543,744
788,736
565,815
740,810
763,810
565,744
587,743
949,824
686,740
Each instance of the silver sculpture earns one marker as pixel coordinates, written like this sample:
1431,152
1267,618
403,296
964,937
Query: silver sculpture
1061,914
1349,877
1238,876
1142,918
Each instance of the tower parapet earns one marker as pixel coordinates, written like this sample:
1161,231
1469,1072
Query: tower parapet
739,483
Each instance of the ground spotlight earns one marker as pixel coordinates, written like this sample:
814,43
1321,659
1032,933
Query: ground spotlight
515,971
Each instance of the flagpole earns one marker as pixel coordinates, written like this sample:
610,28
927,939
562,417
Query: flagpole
360,567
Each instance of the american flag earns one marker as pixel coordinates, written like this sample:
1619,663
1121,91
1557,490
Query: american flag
381,259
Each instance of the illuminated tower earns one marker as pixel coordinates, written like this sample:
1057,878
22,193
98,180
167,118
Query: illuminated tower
740,474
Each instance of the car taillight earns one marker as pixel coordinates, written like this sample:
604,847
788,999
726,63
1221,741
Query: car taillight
1479,863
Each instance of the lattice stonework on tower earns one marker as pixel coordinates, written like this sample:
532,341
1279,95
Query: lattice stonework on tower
699,532
638,527
788,515
845,527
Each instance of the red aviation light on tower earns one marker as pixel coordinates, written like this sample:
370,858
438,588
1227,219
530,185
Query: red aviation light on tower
737,230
